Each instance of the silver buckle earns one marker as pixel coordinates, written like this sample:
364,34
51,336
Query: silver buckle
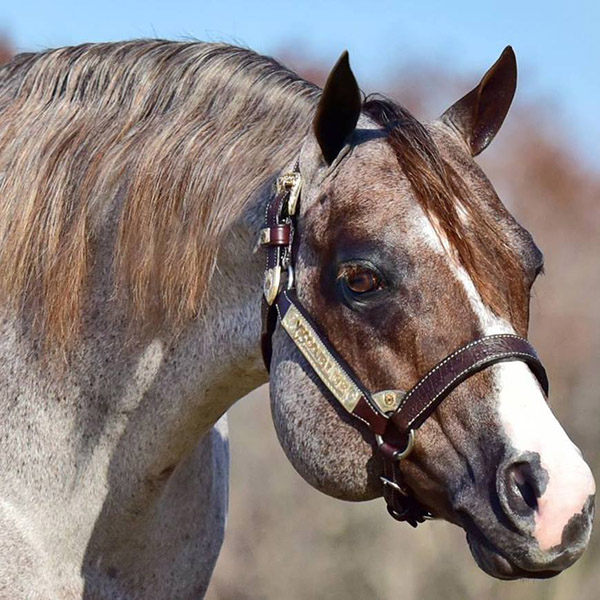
393,485
271,284
401,454
290,277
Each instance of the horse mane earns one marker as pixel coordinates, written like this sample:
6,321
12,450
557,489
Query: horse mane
171,137
476,238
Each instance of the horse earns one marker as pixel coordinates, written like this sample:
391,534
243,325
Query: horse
134,182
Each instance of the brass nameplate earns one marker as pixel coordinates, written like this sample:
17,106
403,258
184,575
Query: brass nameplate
320,359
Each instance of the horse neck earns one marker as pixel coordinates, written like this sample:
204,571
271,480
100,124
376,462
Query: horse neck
216,360
135,423
150,401
227,337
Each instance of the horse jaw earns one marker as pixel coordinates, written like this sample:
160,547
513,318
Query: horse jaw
321,441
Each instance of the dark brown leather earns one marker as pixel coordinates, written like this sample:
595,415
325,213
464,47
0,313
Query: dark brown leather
279,235
430,391
365,409
400,504
269,323
277,254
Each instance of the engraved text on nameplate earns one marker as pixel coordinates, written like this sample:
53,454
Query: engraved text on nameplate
340,385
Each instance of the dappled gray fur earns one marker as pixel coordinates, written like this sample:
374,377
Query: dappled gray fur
122,490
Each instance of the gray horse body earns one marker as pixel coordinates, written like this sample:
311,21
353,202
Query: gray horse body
115,471
115,461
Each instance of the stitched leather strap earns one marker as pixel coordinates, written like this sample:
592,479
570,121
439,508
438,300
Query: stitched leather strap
331,368
279,225
430,391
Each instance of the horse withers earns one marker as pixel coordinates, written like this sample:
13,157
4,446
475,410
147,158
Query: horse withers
134,179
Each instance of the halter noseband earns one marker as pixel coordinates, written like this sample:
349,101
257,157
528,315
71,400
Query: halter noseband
392,416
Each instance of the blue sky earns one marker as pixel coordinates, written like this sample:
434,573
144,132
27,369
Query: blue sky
557,43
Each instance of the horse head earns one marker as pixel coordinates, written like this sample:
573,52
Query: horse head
404,253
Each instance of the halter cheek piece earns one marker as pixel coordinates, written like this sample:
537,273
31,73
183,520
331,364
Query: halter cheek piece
392,416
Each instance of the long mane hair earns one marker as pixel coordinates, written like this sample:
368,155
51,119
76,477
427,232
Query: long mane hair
171,138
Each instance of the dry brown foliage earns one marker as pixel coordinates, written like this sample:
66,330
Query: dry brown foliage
6,51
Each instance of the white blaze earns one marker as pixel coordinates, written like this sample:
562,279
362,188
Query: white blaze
529,423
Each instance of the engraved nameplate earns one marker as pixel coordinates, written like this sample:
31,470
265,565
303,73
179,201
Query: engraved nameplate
320,359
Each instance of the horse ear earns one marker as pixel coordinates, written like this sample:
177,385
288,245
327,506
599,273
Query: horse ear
338,109
479,115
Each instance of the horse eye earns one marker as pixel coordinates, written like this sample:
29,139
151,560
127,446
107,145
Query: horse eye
361,280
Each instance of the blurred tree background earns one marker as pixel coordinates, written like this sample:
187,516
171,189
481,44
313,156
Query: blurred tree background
5,49
287,541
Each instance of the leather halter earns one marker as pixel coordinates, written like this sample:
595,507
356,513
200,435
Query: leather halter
393,416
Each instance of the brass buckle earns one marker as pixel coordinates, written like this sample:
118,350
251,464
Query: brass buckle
291,183
271,284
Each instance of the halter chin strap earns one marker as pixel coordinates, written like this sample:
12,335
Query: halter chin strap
393,416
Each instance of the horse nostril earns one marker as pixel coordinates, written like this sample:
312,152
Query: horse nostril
519,486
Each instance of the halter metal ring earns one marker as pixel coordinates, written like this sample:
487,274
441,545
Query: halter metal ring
290,277
401,454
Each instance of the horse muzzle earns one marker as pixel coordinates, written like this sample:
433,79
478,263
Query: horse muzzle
516,545
523,558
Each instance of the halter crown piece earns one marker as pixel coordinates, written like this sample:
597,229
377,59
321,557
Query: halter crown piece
392,416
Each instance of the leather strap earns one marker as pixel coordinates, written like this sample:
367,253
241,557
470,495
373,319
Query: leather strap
436,385
428,393
276,220
331,368
400,504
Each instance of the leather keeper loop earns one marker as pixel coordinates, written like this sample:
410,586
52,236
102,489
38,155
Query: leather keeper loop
278,235
390,452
